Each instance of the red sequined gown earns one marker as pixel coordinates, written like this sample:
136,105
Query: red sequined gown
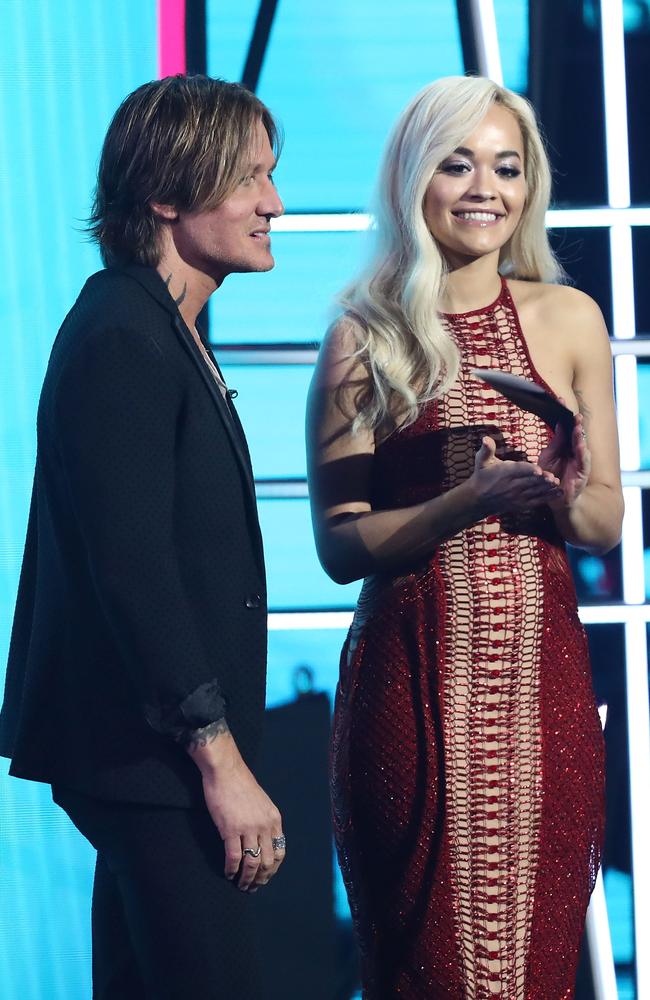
467,755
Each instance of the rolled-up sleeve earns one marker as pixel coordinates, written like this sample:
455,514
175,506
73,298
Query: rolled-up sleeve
181,721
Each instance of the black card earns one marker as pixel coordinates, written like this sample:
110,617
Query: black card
529,396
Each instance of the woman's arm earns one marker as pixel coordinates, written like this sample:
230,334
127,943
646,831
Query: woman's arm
590,512
353,540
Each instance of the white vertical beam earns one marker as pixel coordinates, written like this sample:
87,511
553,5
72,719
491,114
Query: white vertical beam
487,41
599,945
633,563
636,655
622,272
627,408
615,94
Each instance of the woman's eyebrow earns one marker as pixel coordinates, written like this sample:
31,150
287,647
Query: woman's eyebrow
504,154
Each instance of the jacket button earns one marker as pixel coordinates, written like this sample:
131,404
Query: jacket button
253,601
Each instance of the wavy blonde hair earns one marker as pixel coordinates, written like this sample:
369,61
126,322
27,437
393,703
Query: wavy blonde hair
409,355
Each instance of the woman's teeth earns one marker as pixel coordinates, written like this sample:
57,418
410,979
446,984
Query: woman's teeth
477,216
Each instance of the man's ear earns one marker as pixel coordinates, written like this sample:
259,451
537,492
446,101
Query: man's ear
168,212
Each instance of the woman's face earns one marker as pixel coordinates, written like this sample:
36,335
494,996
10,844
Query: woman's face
475,199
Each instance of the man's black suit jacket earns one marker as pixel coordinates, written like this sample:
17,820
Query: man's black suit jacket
141,609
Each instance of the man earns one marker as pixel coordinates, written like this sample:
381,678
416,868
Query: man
136,673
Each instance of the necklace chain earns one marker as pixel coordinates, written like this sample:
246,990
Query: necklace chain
211,365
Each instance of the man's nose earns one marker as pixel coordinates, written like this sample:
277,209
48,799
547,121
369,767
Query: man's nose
271,203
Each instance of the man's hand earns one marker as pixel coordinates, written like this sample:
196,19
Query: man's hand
244,815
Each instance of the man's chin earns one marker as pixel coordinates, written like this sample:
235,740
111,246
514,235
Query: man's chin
252,266
245,267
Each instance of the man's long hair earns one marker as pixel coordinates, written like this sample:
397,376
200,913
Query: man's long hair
183,141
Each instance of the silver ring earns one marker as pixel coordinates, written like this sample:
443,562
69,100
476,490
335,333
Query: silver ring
253,853
279,843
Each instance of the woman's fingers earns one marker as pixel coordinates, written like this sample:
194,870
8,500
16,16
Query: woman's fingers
579,434
539,486
486,452
529,470
540,496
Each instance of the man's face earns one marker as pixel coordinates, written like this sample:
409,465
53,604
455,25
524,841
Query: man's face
234,237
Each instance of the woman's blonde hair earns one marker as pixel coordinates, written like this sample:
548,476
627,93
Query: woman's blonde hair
409,355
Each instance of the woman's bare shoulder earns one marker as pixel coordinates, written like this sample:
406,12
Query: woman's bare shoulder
557,308
340,355
345,335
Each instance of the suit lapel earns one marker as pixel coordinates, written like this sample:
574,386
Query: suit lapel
233,428
152,282
229,402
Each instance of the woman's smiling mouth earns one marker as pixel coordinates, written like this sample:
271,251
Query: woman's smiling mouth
475,218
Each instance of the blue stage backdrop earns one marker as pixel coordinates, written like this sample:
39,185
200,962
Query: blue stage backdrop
64,67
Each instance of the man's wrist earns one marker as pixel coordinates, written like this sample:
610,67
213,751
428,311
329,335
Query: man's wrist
195,739
213,749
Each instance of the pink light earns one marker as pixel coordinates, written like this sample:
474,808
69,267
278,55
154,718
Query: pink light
171,37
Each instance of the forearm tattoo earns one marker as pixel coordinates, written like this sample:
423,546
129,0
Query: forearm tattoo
201,737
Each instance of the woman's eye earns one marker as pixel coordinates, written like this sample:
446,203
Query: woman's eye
246,180
509,171
455,168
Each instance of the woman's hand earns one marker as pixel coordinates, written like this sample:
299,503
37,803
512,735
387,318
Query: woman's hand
506,487
570,463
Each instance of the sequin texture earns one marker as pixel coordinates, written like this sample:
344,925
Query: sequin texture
467,755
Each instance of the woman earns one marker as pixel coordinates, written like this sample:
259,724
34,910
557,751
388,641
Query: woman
467,763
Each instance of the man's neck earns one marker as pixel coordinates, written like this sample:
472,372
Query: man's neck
189,287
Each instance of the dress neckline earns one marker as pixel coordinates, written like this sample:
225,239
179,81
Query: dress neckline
503,294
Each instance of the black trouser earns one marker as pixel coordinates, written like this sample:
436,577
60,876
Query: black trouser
166,924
